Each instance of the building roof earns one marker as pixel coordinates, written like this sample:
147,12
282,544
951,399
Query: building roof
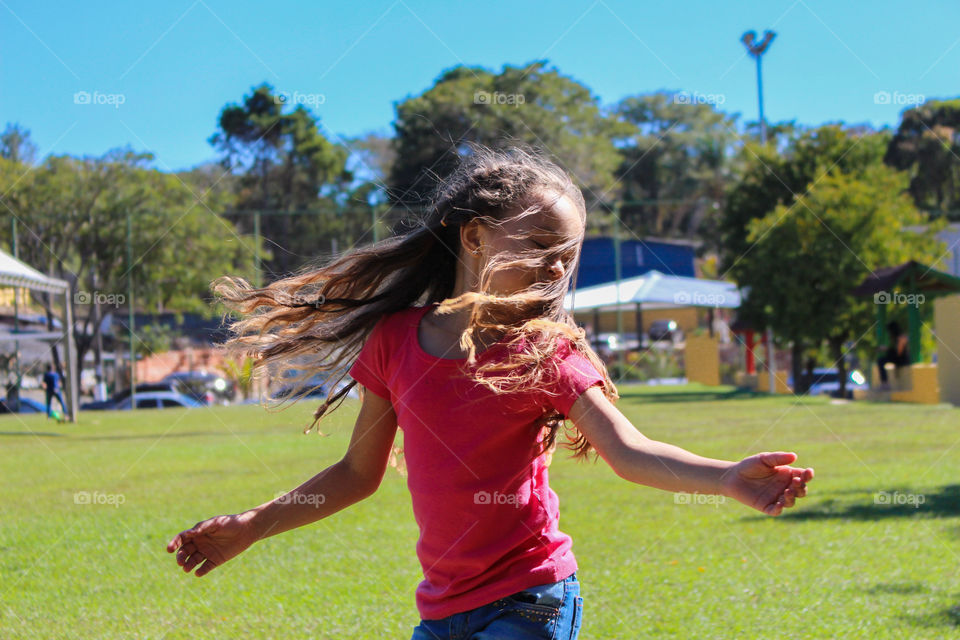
656,290
14,273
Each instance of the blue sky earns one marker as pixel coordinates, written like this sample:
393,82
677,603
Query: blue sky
175,64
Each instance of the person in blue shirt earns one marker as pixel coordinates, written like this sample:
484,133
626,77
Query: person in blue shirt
51,383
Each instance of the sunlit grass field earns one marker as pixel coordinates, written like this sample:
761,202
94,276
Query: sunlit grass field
872,552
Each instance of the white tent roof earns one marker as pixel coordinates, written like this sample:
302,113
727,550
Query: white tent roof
656,290
14,273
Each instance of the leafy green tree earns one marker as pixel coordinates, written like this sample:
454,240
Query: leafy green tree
927,144
531,104
773,177
807,255
16,145
284,165
72,220
677,164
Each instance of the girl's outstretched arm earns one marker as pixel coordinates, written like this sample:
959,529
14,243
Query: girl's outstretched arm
355,477
761,481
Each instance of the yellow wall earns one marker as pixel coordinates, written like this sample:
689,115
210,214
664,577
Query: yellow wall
946,324
921,384
702,360
780,381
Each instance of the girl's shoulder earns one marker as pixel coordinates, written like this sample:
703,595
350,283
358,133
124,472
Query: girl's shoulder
397,323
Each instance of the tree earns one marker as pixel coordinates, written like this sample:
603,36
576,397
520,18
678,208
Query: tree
807,255
773,177
927,144
680,159
16,145
283,165
533,105
72,220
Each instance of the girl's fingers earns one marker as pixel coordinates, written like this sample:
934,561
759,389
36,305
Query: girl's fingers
179,540
185,552
799,487
194,560
205,568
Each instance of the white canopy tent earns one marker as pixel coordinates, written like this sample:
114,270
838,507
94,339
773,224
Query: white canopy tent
14,273
655,290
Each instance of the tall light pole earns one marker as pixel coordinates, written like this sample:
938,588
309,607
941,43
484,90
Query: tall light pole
757,49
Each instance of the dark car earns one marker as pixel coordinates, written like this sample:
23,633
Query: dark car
208,388
316,385
662,330
120,396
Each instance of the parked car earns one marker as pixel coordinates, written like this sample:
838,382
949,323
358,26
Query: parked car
159,400
208,388
120,396
827,381
615,342
316,385
663,330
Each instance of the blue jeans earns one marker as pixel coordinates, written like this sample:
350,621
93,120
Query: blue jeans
546,611
50,396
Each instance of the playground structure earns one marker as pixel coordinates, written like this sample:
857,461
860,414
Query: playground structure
914,284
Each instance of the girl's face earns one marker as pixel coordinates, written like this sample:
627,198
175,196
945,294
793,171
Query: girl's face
540,233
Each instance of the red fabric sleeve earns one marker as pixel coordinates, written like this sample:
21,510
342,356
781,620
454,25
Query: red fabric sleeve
576,374
369,369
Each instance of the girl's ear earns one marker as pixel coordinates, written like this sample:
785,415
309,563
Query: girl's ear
471,235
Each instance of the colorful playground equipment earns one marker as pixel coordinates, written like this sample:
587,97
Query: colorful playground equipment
913,284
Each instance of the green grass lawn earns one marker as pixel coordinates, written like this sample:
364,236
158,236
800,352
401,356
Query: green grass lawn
838,565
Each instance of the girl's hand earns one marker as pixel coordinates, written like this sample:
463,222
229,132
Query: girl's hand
215,540
760,481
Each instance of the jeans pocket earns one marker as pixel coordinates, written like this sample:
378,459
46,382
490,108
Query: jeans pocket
545,597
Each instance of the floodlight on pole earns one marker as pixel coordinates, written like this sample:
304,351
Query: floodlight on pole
757,49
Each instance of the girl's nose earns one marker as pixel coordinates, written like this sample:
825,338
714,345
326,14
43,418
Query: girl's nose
556,269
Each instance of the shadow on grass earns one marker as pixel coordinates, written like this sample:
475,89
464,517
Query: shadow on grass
705,395
944,617
900,502
31,433
126,436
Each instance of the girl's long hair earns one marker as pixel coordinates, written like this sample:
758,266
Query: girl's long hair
317,320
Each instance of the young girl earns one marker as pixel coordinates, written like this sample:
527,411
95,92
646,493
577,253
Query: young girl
457,333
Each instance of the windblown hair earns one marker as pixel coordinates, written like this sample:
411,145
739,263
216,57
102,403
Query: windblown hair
318,319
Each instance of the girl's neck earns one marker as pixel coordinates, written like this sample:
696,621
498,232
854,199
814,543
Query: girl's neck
453,324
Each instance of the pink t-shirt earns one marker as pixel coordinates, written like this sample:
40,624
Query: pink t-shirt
488,519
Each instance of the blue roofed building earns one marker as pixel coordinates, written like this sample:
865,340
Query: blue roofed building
637,257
